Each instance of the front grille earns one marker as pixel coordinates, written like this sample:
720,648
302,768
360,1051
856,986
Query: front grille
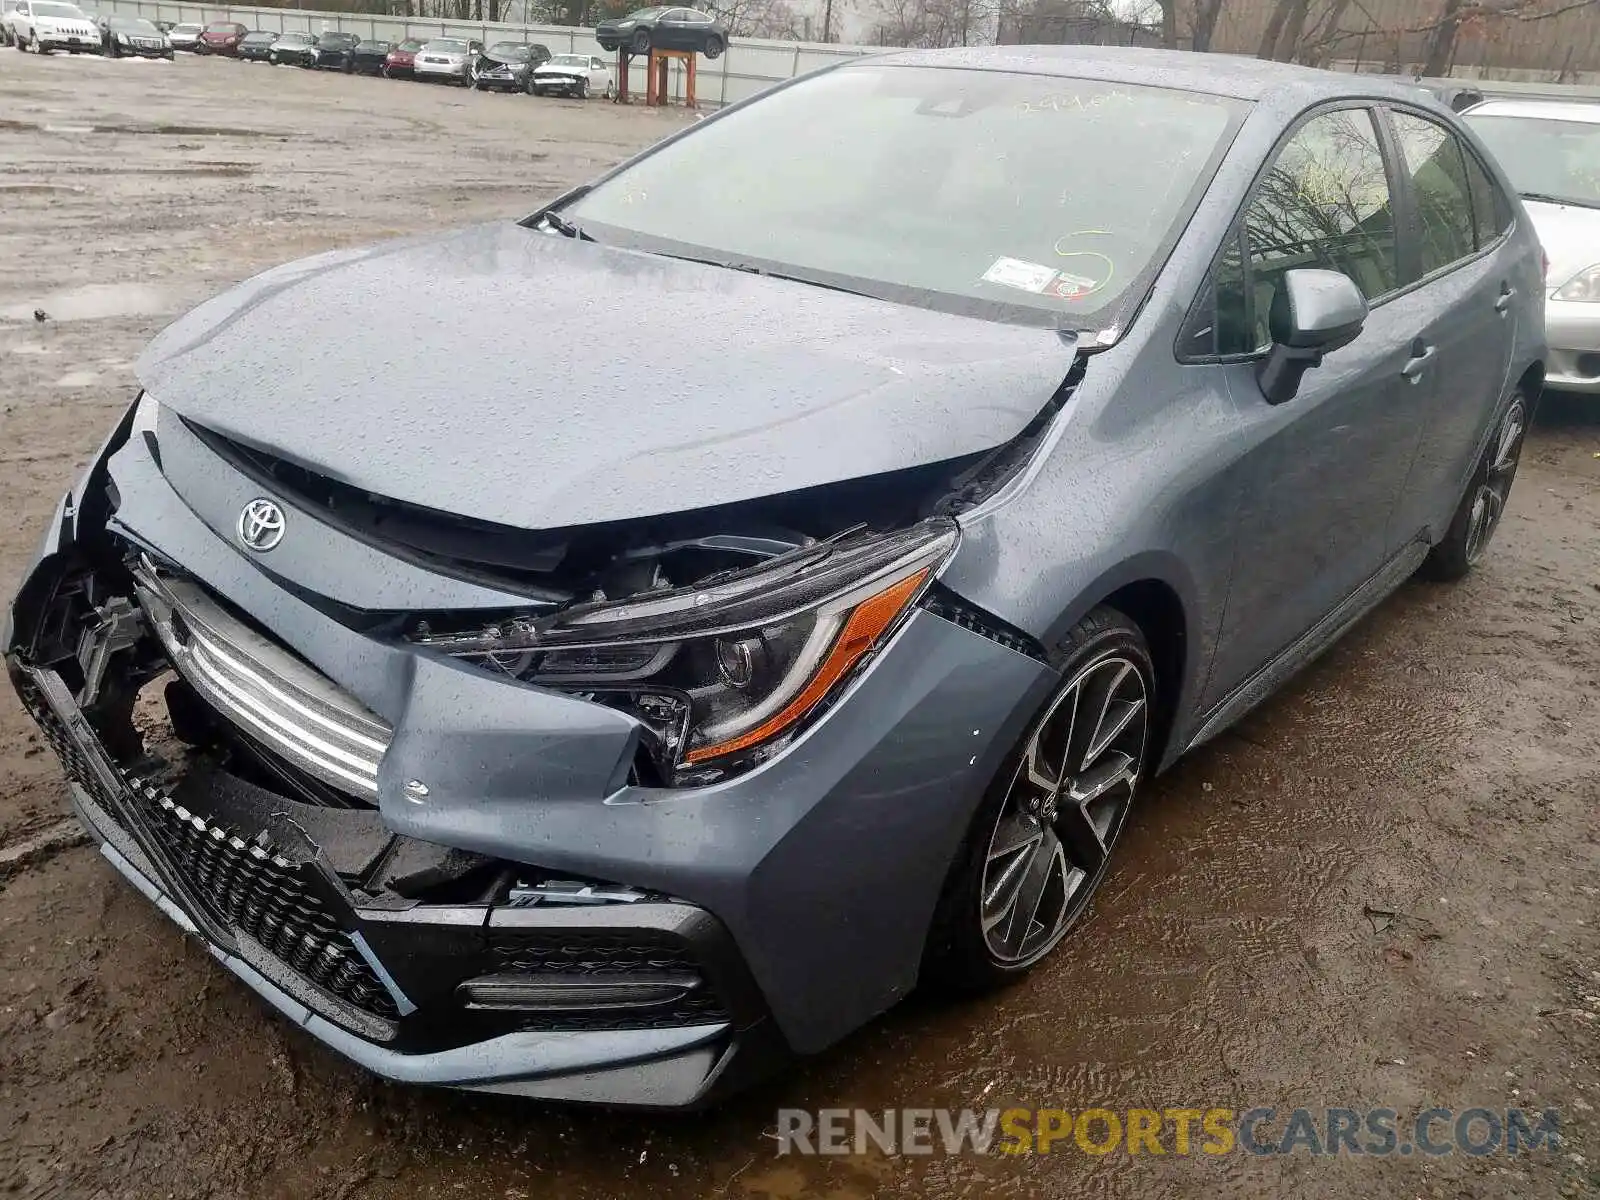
600,955
243,885
273,696
248,886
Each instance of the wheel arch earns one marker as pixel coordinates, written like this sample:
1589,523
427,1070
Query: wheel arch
1156,593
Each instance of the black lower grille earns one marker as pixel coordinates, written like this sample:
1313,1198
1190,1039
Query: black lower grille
248,886
601,955
243,885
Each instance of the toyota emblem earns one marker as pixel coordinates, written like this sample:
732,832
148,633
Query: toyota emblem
261,525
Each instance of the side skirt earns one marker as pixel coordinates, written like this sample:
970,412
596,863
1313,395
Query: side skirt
1310,645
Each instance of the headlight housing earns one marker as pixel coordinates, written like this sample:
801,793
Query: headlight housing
724,673
1583,288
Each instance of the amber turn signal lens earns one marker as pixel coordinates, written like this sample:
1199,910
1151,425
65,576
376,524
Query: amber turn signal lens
867,622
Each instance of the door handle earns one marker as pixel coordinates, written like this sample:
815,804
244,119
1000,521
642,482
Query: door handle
1418,363
1507,295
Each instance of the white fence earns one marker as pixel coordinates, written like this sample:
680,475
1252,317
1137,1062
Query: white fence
748,66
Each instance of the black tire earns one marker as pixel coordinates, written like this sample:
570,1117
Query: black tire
581,91
527,85
639,43
714,47
958,955
1482,506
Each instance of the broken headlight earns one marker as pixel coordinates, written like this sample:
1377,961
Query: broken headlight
724,672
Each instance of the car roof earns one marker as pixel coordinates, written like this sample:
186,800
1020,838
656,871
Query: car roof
1549,110
1235,75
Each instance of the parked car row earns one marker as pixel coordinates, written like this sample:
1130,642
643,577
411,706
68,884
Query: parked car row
501,66
43,25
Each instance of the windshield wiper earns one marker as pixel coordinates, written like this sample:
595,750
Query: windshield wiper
1547,198
565,227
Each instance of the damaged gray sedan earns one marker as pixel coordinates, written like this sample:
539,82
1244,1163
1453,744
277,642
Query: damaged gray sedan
922,456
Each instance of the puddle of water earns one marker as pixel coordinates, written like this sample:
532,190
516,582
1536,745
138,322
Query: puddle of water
96,301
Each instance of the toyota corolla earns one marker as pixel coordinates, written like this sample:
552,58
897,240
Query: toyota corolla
613,732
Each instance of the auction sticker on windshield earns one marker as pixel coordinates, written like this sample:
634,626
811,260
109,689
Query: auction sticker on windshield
1015,273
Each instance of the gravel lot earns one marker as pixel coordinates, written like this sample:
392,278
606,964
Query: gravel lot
1381,890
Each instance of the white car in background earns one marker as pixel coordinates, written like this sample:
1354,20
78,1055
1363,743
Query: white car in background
1551,151
576,75
185,37
455,59
8,9
44,25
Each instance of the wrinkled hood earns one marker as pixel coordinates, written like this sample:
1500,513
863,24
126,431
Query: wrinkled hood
527,379
1570,235
69,25
559,69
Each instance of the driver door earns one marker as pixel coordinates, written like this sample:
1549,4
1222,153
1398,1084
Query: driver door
1323,472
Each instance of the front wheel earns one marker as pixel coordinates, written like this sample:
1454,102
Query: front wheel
581,92
1478,515
1041,841
640,42
714,47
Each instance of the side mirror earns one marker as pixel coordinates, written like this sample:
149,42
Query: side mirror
1314,313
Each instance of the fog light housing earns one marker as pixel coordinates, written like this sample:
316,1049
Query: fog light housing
548,992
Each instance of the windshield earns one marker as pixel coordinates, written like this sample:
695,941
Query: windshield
515,51
260,36
1042,200
411,44
644,14
186,29
569,60
65,11
446,46
131,25
296,39
222,27
1546,157
336,39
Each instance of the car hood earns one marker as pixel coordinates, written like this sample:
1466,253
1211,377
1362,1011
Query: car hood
67,25
523,378
559,69
1570,235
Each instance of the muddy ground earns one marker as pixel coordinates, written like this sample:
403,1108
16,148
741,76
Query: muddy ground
1381,890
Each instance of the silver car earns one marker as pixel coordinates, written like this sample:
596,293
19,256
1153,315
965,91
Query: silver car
508,737
452,59
185,37
1551,151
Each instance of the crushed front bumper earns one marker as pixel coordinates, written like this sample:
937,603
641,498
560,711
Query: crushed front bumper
766,901
383,985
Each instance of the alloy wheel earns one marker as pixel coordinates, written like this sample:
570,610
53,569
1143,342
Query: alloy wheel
1063,810
1489,503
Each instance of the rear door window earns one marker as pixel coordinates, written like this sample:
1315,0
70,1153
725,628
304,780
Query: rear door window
1433,158
1491,210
